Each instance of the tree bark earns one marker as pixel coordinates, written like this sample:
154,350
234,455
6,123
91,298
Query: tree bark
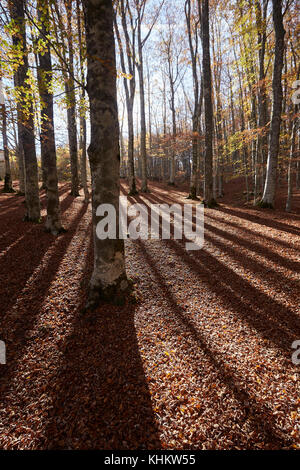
71,111
108,279
197,103
27,140
262,139
53,222
270,184
129,90
8,188
82,137
288,205
143,151
207,92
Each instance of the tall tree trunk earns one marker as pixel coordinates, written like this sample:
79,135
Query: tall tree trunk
71,111
174,131
132,183
197,103
262,139
27,139
270,184
219,144
143,151
8,188
109,279
82,136
295,130
288,205
207,92
20,153
53,222
129,88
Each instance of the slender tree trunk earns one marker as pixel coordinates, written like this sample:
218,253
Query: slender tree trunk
197,106
143,151
207,92
20,153
132,183
174,131
291,167
262,140
194,171
53,222
149,107
71,111
27,139
36,111
235,153
82,136
8,188
109,279
288,205
129,90
219,144
270,184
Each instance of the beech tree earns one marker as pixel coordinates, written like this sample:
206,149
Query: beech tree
129,76
8,188
48,149
66,58
198,95
140,6
271,176
171,51
208,107
108,279
82,110
25,118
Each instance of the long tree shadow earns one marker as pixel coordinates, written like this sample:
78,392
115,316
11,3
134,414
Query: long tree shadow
274,321
11,201
21,261
248,231
249,263
21,310
254,265
257,413
255,218
261,220
248,244
100,396
258,268
16,202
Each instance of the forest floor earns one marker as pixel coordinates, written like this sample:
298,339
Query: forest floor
201,361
